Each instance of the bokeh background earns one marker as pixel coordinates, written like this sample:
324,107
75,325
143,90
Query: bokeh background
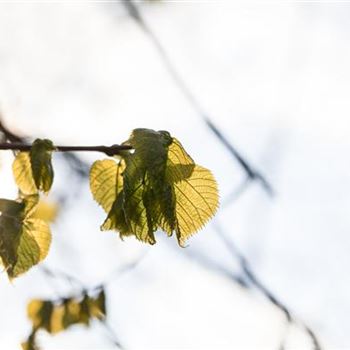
274,79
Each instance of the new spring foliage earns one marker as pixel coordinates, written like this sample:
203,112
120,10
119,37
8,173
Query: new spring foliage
25,236
157,186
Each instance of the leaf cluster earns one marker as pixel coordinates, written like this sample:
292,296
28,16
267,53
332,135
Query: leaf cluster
158,186
57,316
25,235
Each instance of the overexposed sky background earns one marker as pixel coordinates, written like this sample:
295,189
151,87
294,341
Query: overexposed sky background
275,77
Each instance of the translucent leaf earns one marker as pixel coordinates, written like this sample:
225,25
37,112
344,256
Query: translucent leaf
161,188
56,322
33,246
24,241
22,172
33,170
144,184
10,236
46,211
106,182
116,218
30,204
196,199
40,158
177,154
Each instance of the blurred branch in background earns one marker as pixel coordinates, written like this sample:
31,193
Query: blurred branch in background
250,171
251,277
79,289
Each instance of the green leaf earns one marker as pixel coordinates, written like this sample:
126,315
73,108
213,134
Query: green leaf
160,187
24,240
106,182
22,172
40,312
30,343
33,246
196,201
40,158
97,306
33,171
57,316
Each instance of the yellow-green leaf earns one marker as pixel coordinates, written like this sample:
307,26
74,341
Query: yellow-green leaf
39,312
196,201
30,343
57,316
97,306
144,184
24,241
106,182
33,170
22,172
40,159
160,188
46,210
33,246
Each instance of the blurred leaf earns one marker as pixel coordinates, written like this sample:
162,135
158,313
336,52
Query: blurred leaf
39,312
30,344
196,201
56,322
46,211
97,306
33,246
57,317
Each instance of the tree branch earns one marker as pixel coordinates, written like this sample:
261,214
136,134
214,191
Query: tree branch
109,150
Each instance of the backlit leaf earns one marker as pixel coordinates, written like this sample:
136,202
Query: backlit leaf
24,241
160,188
57,316
196,201
22,172
33,246
40,158
46,211
33,170
97,306
144,183
106,182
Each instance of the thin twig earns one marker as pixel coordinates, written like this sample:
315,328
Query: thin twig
109,150
208,263
254,174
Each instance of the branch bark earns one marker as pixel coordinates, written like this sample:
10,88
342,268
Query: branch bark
109,150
